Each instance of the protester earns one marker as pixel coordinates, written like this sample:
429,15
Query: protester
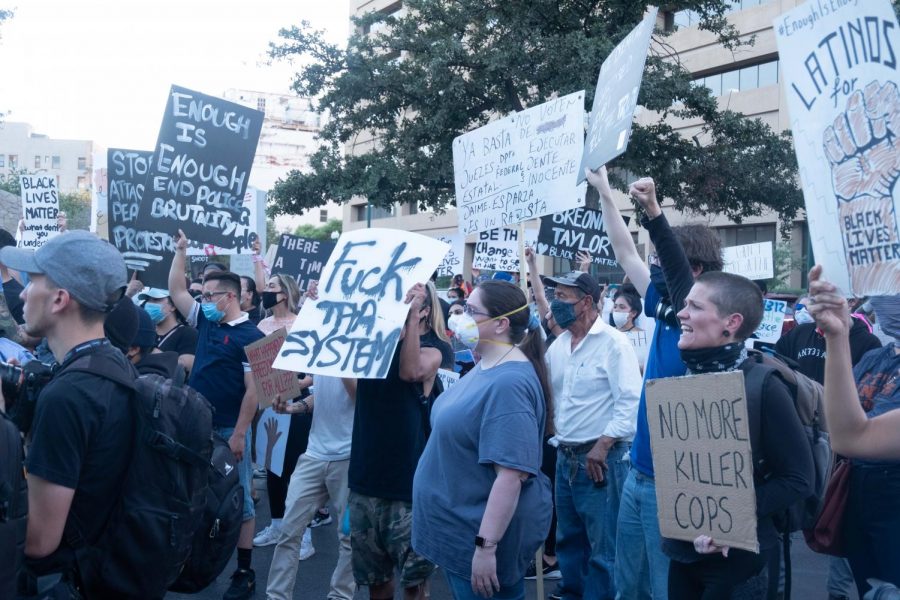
173,334
389,434
129,321
222,374
537,290
12,288
481,506
460,282
454,294
83,430
863,421
196,288
320,476
721,311
457,308
627,308
250,300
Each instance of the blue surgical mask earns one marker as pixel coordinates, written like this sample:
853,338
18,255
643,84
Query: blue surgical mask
212,312
563,312
155,311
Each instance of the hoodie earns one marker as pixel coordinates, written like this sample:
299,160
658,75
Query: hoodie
807,346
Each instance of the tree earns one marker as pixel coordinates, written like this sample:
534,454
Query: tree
320,233
448,67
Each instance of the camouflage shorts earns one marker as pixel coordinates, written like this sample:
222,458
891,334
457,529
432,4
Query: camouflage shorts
381,540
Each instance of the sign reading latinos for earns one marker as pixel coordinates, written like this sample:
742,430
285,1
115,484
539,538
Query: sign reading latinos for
352,329
520,167
498,249
839,66
453,261
271,382
301,258
616,97
40,209
565,234
700,438
201,169
769,329
753,261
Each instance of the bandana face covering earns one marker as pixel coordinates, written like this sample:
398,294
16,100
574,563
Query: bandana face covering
714,360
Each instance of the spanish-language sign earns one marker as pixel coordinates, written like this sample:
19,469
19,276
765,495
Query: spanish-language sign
448,378
753,261
700,438
271,382
352,329
201,170
498,249
520,167
40,209
773,319
301,258
615,97
147,251
838,61
453,261
271,439
565,234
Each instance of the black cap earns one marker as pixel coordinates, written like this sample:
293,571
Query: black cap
577,279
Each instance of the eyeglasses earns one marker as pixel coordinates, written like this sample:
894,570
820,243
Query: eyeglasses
472,312
210,295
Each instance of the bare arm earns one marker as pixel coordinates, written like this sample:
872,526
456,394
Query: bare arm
622,243
350,386
249,406
186,361
183,301
417,363
501,506
48,509
537,287
260,276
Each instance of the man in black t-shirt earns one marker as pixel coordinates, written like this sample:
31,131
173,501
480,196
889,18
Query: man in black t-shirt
82,429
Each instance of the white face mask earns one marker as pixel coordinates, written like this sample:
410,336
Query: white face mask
620,318
803,317
465,329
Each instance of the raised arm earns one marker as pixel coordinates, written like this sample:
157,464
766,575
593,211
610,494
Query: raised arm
260,277
417,363
183,301
534,276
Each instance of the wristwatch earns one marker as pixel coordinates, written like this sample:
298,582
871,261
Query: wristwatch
483,543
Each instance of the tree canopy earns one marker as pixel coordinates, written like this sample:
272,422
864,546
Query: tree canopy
446,67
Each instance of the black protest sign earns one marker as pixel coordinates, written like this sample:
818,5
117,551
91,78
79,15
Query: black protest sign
301,258
197,264
565,234
615,97
146,250
201,170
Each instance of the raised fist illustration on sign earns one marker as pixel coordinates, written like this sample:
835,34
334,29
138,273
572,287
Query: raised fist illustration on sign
863,145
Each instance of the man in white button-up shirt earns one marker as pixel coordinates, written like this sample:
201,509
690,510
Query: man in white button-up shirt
596,389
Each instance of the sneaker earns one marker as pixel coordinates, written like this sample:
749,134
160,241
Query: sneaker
243,585
306,546
321,518
267,537
550,571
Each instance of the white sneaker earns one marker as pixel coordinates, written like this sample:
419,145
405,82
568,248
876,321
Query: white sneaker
306,545
267,537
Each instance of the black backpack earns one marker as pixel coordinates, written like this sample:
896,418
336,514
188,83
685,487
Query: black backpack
216,538
147,540
13,506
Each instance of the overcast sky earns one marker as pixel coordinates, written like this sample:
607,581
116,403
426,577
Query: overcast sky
100,69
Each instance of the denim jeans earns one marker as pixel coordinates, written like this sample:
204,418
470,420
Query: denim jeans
586,517
245,470
461,588
840,578
642,570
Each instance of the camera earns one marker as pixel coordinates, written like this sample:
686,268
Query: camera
21,387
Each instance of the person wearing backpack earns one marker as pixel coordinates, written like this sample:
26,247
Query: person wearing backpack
82,432
720,312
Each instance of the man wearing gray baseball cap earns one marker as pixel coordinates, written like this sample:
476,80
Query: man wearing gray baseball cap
82,429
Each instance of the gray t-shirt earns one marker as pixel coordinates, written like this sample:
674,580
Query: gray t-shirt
332,420
488,418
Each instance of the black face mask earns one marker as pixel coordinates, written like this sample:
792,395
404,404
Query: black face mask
270,299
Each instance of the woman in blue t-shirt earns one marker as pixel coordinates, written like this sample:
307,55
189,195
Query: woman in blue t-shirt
481,506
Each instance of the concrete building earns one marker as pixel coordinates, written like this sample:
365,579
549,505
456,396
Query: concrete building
287,140
23,149
746,80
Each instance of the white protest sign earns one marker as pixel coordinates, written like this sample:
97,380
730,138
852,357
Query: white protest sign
498,249
353,327
773,319
753,261
838,61
271,440
40,208
520,167
99,190
453,261
448,378
700,439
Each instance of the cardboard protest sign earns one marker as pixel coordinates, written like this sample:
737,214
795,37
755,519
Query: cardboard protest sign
301,258
99,189
498,249
201,170
352,329
773,319
700,438
271,382
615,97
520,167
453,260
448,378
40,209
838,61
271,440
565,234
753,261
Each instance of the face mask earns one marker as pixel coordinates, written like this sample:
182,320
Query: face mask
155,311
465,329
887,312
270,299
802,316
212,312
563,313
620,318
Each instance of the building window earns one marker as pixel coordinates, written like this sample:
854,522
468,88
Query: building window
413,207
378,212
690,18
37,162
47,161
323,216
82,162
82,183
741,80
55,162
261,104
746,234
2,160
13,161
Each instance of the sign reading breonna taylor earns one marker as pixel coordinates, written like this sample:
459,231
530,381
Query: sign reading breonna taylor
565,234
353,327
838,60
201,169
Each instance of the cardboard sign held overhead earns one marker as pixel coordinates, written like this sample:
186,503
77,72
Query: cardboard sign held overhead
40,209
567,233
838,62
700,437
352,329
769,329
753,261
453,261
498,250
301,258
271,382
520,167
616,97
